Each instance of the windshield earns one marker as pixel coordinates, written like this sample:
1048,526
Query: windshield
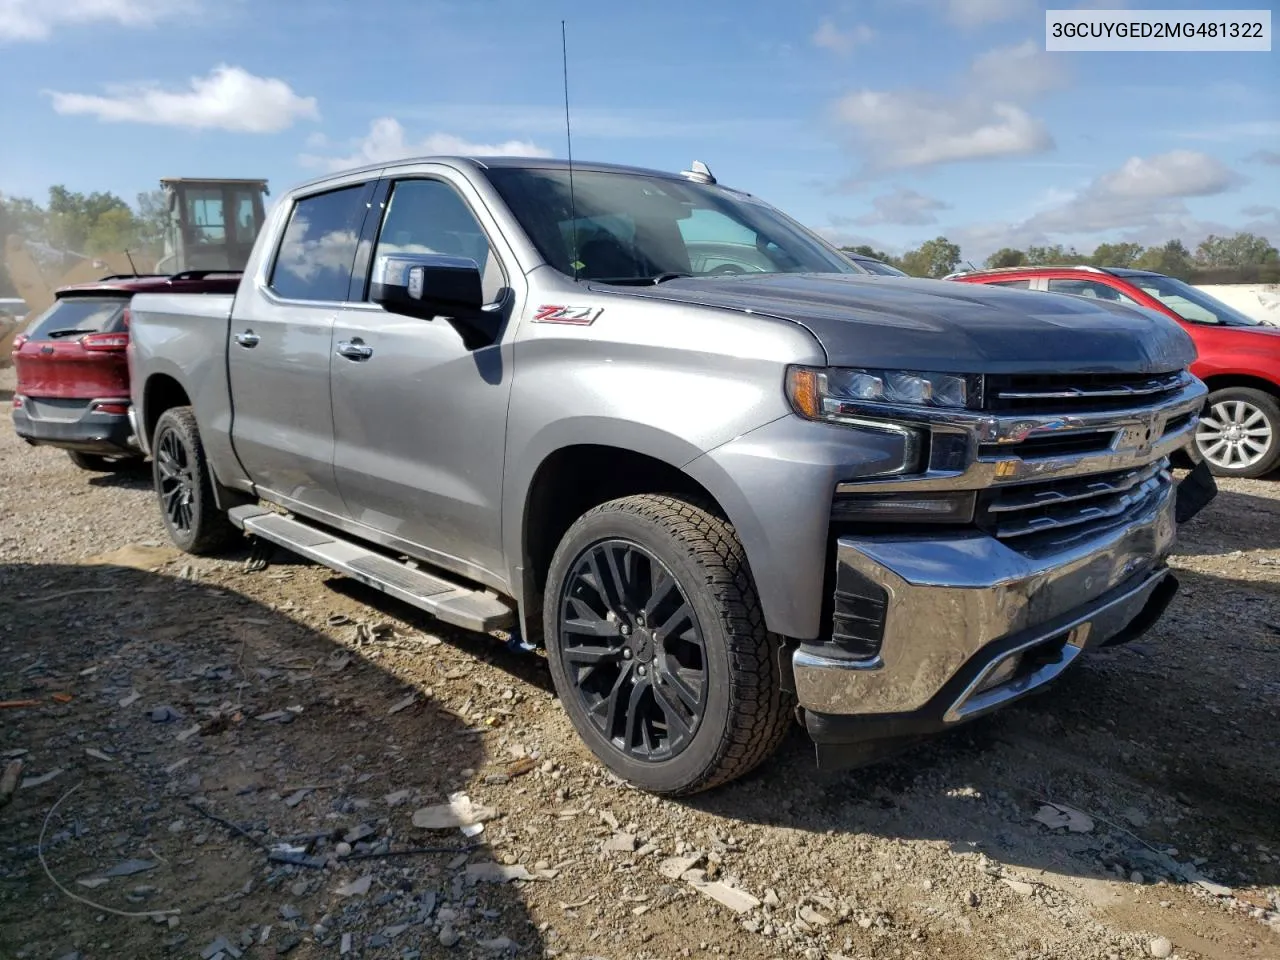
1189,303
72,317
633,228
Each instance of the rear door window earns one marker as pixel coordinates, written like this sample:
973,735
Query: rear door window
1023,284
319,245
73,317
1090,288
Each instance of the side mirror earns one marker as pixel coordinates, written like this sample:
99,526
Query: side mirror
427,285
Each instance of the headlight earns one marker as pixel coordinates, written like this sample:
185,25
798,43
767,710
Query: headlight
832,393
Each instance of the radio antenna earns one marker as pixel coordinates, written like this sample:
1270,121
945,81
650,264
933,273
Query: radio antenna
568,136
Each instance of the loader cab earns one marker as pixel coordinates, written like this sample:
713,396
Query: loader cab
211,224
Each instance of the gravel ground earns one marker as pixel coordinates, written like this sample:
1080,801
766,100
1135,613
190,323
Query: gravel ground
197,726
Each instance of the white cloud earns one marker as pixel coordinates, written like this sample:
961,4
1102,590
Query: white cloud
37,19
975,13
902,206
830,37
1270,157
917,129
1178,173
1020,72
229,98
1142,201
1230,132
894,129
386,141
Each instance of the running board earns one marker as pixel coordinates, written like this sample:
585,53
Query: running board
453,603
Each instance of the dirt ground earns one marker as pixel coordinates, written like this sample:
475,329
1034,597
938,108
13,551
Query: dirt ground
196,725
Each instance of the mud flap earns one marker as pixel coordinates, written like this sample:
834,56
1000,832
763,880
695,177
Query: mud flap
1195,492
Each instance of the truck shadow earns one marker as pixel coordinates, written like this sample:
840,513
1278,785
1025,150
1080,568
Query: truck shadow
1232,521
136,476
200,728
1163,742
1168,742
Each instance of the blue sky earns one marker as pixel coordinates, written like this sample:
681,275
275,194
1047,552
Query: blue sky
881,121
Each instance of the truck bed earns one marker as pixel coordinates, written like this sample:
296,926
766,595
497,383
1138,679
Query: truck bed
185,337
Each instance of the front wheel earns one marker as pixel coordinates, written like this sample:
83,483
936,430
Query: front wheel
184,486
658,647
1239,432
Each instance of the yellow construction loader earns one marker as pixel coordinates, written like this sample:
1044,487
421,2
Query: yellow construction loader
211,225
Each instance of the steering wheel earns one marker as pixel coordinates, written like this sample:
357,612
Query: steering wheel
726,269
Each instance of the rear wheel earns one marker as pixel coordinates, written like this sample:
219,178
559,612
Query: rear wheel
97,463
658,647
1239,432
184,486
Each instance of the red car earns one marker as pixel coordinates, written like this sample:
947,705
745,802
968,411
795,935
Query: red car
1239,357
73,377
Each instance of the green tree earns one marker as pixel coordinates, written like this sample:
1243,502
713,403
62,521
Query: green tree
933,258
153,217
1053,256
114,231
1239,250
1172,259
20,217
1117,254
72,216
868,251
1006,257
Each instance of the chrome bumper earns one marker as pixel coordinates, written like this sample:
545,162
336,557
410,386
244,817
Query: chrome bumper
958,607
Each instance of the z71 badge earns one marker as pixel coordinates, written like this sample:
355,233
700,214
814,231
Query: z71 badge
577,316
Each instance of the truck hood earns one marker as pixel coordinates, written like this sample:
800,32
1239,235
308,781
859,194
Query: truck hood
939,325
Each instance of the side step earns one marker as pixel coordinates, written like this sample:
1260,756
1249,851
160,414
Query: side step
453,603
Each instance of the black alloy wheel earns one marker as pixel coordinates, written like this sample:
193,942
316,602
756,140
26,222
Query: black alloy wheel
175,482
184,486
658,646
633,650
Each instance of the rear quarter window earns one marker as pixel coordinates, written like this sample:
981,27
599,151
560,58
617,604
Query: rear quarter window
73,317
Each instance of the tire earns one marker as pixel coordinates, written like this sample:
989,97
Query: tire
1240,426
184,486
716,636
96,463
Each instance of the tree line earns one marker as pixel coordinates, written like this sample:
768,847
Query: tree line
1239,258
96,224
72,224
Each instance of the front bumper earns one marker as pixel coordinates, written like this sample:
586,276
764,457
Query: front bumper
960,610
85,431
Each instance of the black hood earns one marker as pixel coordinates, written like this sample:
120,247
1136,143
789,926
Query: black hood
945,325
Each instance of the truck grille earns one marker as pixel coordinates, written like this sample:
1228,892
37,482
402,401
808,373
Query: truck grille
1071,506
1058,393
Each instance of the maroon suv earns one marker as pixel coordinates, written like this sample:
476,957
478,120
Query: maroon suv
73,378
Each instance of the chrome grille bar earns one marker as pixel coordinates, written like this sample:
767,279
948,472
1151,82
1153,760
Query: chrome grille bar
1132,492
1071,392
1044,495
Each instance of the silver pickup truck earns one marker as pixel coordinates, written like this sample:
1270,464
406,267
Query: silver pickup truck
657,428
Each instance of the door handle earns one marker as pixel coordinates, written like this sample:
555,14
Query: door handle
354,349
247,339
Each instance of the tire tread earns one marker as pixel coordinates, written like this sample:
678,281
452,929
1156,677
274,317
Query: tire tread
760,712
214,532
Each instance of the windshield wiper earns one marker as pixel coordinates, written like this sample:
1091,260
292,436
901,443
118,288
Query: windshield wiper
55,334
643,281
